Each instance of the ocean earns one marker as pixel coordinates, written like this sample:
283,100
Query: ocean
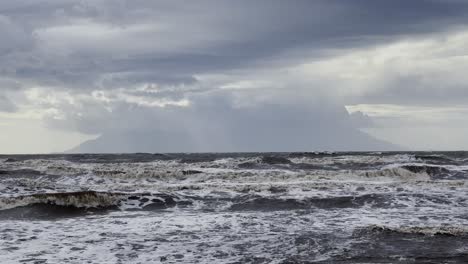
314,207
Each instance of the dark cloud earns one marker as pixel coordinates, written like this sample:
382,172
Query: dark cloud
125,67
206,36
6,105
14,39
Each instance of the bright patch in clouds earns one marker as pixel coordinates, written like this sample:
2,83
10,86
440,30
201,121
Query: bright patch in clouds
71,70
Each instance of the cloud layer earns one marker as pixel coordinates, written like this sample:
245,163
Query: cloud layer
221,73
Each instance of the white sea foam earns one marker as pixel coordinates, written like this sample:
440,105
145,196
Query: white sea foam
332,202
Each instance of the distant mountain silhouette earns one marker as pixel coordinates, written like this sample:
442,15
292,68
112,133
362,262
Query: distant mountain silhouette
223,128
258,141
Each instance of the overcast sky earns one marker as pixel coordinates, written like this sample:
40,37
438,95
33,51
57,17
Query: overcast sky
233,75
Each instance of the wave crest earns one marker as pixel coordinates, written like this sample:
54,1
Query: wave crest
273,204
459,231
92,200
83,199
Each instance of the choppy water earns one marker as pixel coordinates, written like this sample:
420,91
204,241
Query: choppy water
235,208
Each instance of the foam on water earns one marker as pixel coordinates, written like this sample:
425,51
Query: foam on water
235,208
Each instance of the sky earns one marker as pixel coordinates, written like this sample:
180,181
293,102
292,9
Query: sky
296,75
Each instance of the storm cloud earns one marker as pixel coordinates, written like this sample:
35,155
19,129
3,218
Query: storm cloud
232,75
6,105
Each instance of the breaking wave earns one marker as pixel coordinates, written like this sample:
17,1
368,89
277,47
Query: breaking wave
19,173
84,199
430,170
458,231
414,171
77,203
274,204
367,207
